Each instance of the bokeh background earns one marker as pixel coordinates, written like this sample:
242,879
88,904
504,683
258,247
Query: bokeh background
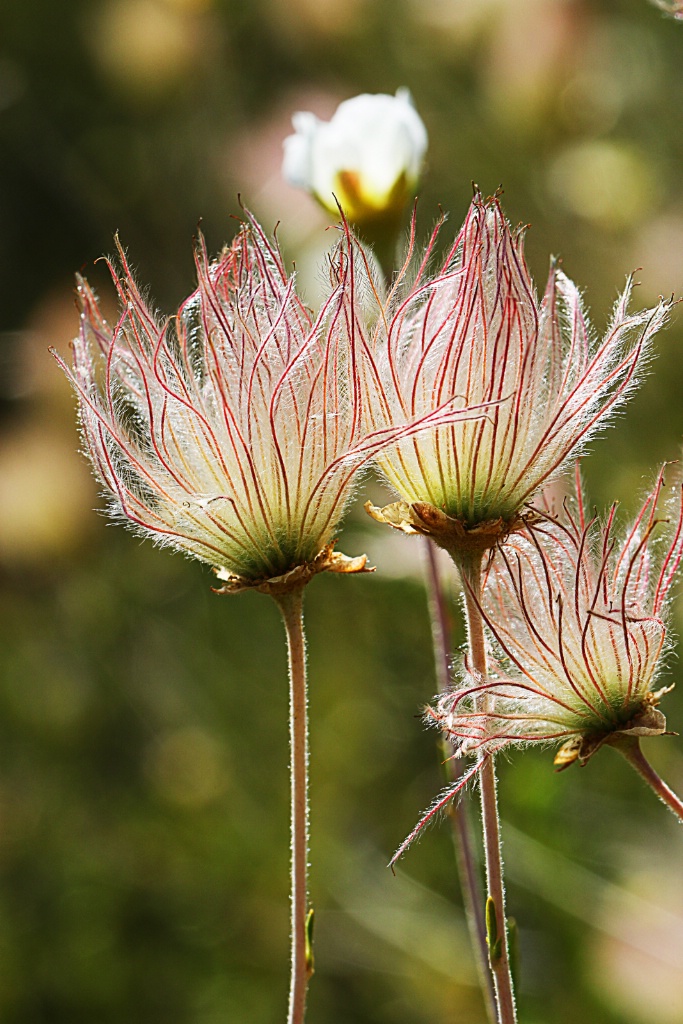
143,745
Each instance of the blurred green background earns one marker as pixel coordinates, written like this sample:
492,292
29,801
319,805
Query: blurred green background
143,745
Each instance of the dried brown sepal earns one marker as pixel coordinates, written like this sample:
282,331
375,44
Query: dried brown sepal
328,560
579,748
398,514
450,533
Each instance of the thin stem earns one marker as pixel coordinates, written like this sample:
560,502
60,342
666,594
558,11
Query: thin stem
470,882
291,607
496,915
630,748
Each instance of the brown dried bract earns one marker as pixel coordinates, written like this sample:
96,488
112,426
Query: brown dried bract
450,533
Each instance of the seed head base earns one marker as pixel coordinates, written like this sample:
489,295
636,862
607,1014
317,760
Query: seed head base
454,535
327,560
647,722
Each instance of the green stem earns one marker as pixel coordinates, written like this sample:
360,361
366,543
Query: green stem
629,747
461,826
498,940
291,607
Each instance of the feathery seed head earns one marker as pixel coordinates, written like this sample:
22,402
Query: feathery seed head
232,431
672,7
476,329
580,622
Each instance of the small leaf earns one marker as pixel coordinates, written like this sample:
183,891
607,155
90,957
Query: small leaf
310,968
492,940
513,950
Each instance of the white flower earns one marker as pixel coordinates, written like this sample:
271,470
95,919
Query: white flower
368,156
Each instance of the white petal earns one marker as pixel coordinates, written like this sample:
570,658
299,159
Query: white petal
306,124
296,162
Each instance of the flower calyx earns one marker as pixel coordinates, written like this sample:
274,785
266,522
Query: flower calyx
328,560
450,533
648,721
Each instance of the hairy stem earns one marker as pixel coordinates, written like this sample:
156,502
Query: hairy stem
461,825
630,748
495,909
291,607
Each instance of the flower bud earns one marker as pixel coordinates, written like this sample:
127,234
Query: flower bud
366,159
